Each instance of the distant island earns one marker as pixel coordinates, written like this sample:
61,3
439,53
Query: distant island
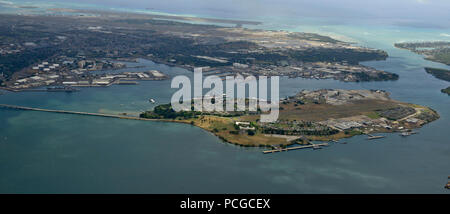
439,73
446,90
442,74
438,51
321,115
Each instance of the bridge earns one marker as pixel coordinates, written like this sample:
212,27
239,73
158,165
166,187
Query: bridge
5,106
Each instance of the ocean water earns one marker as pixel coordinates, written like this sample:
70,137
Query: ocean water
54,153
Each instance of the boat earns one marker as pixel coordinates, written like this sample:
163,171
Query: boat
405,134
447,186
62,89
316,147
152,101
408,133
122,82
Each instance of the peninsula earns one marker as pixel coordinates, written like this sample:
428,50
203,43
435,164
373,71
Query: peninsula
442,74
322,115
437,51
446,90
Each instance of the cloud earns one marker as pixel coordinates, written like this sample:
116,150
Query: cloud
6,2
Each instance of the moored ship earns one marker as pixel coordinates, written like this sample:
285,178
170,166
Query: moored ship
62,89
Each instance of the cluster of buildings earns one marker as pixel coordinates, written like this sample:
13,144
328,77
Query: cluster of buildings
287,126
346,125
366,124
35,81
66,71
45,67
319,70
10,49
94,65
339,96
120,78
322,70
85,81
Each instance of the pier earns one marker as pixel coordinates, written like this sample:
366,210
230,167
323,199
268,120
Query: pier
314,146
372,137
53,89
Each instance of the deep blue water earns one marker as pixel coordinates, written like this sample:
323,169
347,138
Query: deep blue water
54,153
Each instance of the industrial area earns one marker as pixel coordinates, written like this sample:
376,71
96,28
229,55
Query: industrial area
64,73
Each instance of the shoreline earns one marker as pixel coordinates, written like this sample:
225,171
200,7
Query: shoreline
124,117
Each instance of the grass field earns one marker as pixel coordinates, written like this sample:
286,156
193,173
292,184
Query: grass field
321,112
221,127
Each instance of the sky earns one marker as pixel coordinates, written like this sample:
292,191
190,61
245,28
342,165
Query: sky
431,13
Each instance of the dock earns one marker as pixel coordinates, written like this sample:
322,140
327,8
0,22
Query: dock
126,83
51,89
314,146
67,90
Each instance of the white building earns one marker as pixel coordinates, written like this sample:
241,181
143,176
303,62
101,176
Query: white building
69,83
239,65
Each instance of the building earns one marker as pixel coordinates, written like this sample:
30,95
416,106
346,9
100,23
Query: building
69,83
239,65
100,82
412,120
347,125
242,123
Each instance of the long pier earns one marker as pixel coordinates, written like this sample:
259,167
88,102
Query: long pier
75,112
372,137
314,146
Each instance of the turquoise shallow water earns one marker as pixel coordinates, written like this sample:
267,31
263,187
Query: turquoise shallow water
53,153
